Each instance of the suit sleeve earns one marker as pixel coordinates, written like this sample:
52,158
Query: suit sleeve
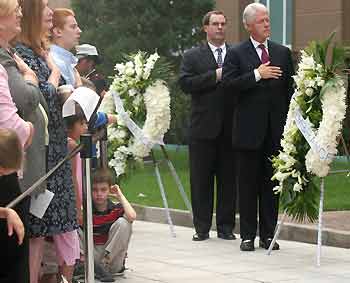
193,82
233,77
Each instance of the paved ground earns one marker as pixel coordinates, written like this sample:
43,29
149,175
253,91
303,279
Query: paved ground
155,256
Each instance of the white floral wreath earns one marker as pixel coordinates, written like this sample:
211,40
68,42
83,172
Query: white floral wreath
334,109
309,142
129,99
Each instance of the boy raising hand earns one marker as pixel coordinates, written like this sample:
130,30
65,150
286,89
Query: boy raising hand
111,222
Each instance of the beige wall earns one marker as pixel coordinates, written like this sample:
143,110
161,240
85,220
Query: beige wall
346,22
59,3
233,10
316,19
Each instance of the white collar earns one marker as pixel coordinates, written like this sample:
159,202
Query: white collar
256,43
213,47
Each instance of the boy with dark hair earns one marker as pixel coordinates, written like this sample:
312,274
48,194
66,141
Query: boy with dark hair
111,223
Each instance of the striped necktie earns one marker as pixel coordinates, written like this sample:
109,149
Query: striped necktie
219,60
264,56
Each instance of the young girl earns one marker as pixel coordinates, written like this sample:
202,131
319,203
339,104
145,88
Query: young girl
76,126
14,254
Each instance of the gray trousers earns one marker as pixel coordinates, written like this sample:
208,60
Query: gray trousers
116,246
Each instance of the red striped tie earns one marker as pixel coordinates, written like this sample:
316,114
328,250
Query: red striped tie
264,56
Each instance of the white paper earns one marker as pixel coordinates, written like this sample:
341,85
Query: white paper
85,97
39,203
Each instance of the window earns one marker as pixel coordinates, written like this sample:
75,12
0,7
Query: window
281,15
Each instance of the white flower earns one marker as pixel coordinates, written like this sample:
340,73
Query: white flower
129,68
132,92
137,101
297,187
120,68
307,62
320,81
279,176
309,91
309,83
278,189
319,68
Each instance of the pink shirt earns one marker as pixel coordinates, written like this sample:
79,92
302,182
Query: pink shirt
9,119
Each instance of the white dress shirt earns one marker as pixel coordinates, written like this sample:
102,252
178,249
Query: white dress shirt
259,52
215,53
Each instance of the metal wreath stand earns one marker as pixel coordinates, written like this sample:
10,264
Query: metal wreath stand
320,210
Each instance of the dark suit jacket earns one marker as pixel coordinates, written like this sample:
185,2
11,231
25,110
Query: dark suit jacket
208,104
261,105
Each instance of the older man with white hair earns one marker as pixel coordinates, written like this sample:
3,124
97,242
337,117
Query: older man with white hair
259,72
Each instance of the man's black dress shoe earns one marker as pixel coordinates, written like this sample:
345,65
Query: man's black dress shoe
226,236
265,244
247,245
200,236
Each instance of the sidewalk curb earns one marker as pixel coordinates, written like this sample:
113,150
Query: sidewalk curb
289,232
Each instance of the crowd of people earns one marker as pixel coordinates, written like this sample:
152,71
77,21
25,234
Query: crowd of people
37,67
239,101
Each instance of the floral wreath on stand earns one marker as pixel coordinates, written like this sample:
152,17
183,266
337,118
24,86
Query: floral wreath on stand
314,122
140,97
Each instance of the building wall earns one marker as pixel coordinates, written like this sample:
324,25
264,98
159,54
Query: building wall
59,3
233,10
346,22
315,20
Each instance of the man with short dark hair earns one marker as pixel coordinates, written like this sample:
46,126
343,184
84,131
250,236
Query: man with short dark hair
259,73
210,150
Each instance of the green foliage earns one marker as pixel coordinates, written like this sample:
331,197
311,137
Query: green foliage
118,27
320,50
126,26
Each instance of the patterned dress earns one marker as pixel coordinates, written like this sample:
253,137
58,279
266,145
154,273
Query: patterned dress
60,216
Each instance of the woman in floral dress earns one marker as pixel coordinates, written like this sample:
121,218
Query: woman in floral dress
59,220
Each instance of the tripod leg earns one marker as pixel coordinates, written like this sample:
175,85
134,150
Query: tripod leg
319,235
162,192
277,233
177,180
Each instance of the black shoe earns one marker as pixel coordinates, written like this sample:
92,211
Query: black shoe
265,244
102,274
200,237
226,236
247,246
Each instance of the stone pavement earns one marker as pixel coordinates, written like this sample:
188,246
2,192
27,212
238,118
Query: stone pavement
336,228
154,256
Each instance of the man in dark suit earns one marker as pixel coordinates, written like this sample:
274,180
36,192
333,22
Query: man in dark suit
210,150
259,72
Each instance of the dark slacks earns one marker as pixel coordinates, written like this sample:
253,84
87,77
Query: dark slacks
254,170
212,162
